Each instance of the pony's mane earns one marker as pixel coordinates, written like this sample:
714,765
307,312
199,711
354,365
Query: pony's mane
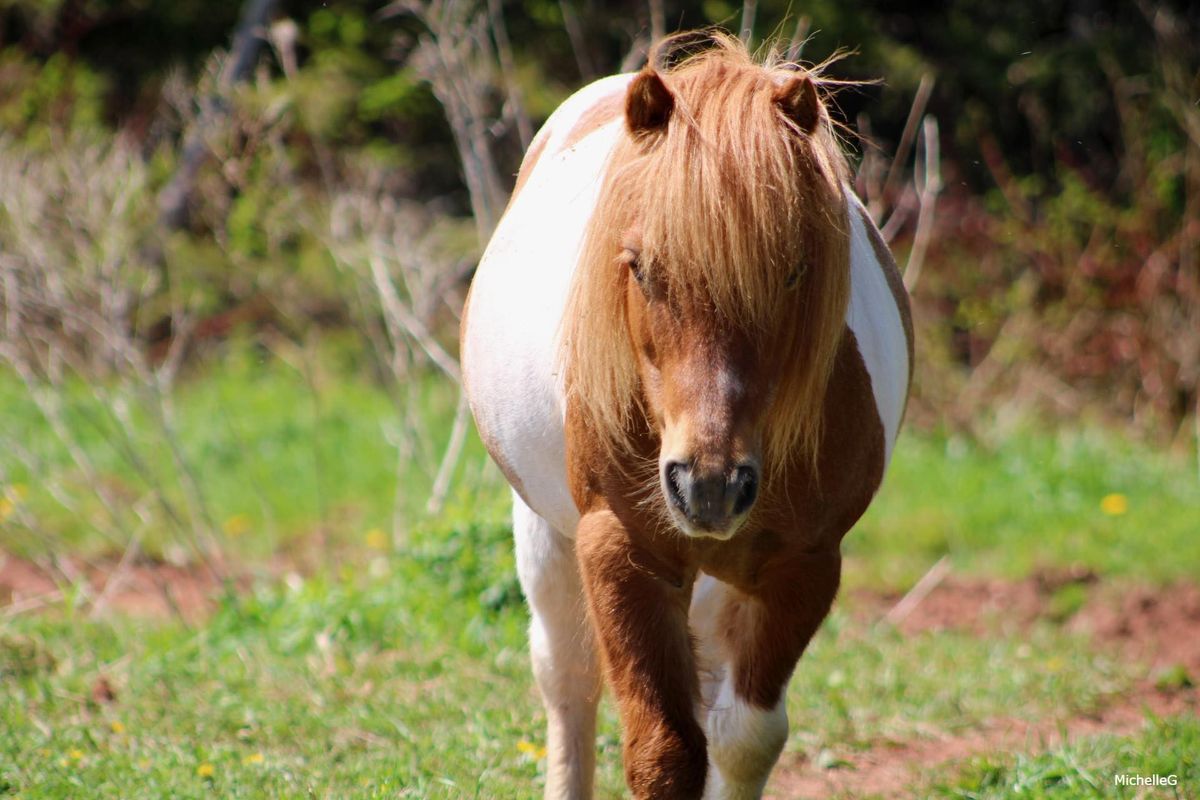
740,211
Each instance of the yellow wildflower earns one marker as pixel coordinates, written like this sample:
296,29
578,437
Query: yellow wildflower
253,758
205,770
236,525
117,726
1115,504
10,497
75,754
376,539
532,750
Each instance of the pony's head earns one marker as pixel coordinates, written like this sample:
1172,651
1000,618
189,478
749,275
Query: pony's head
710,298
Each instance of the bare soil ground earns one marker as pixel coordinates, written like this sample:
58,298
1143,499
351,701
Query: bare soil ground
143,588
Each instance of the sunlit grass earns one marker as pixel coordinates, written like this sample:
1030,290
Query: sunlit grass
1168,749
1037,499
280,451
858,686
410,678
284,451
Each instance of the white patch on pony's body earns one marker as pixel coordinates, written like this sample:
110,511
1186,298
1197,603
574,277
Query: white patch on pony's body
510,344
875,320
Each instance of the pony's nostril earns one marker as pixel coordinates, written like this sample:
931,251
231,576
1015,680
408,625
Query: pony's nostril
710,499
676,474
745,483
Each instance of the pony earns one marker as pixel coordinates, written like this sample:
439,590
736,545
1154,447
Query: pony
689,351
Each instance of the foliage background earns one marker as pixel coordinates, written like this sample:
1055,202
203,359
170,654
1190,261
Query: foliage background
1063,261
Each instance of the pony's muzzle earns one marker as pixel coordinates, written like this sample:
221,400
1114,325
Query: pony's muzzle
710,500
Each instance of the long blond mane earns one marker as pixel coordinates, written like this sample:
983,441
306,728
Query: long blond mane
740,211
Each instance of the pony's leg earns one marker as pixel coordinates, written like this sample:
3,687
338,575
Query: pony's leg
563,652
753,643
744,740
638,605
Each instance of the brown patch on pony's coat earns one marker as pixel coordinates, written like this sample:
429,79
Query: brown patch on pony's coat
784,565
887,262
788,565
640,615
727,202
605,110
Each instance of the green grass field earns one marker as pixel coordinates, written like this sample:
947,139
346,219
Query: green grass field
381,666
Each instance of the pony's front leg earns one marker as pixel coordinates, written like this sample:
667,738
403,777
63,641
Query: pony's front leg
638,607
756,640
562,650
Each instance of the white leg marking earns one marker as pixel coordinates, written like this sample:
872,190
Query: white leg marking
563,652
744,741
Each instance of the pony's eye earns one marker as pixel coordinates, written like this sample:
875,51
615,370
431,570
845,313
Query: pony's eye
634,260
635,266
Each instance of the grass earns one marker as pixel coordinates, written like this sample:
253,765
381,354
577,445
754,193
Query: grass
1166,748
400,669
412,680
282,450
858,687
1039,499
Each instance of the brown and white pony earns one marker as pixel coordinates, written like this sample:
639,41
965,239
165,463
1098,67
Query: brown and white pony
689,351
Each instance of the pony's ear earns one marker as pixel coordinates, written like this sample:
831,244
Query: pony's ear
799,102
648,103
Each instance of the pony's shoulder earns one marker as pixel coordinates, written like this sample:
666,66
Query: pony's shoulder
587,110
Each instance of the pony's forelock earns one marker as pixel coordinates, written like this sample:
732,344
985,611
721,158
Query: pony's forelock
738,211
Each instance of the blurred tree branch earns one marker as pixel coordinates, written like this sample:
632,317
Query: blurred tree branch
247,40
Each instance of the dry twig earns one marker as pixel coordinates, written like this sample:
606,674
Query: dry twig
920,590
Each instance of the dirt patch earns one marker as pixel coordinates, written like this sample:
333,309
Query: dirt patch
144,588
1158,627
981,605
884,769
21,581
